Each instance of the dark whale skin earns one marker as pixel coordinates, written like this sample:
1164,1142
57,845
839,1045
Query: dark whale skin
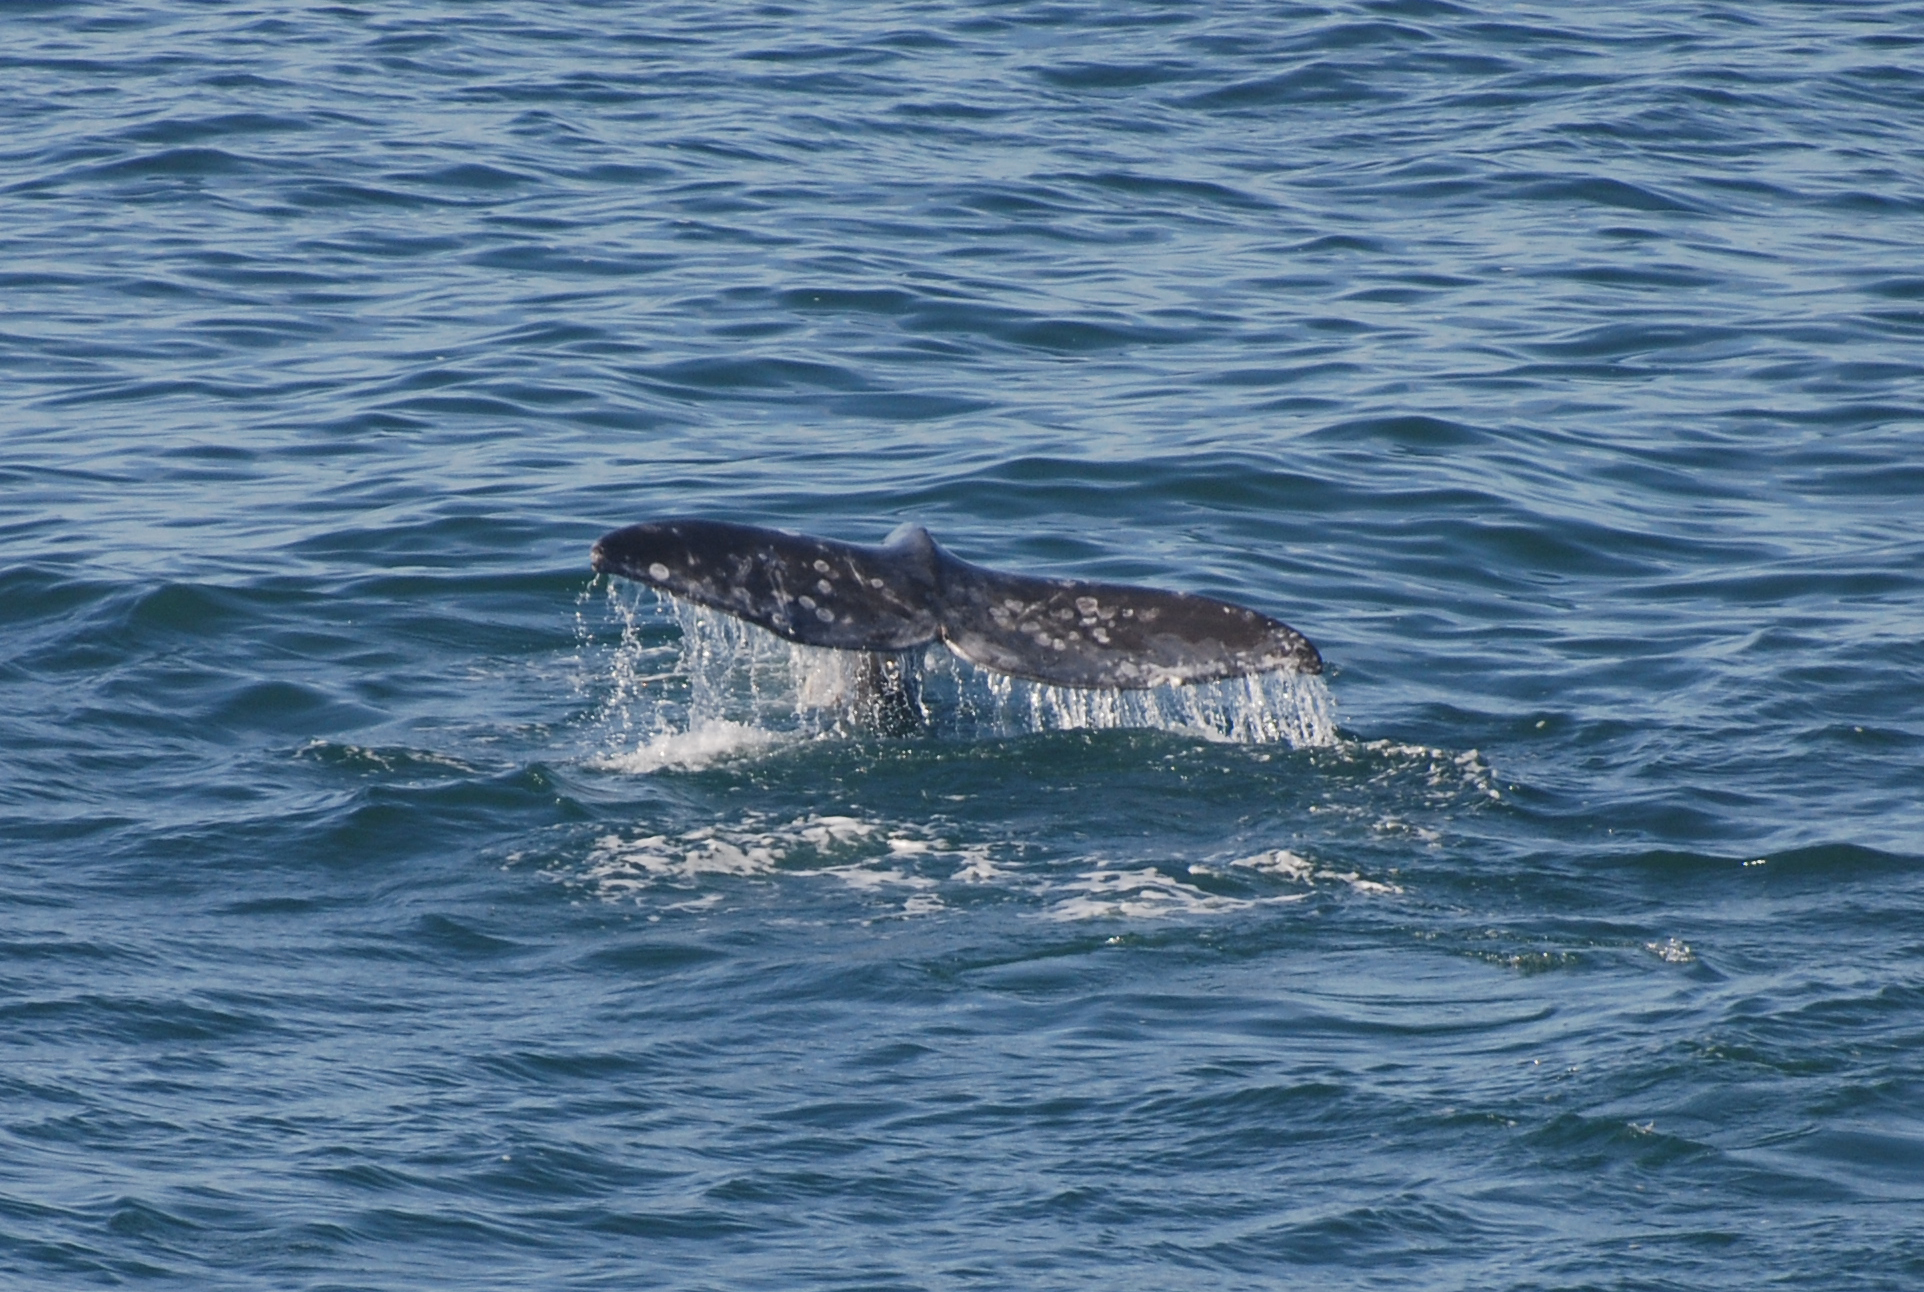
910,592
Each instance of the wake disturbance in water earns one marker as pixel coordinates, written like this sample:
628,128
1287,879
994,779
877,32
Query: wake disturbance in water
902,869
687,685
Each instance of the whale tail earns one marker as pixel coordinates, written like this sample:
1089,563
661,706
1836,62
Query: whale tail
909,593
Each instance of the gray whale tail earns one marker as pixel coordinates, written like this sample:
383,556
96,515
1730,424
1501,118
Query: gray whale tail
909,592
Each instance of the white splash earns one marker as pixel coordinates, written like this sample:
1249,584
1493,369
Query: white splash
618,866
706,743
1296,709
902,866
1146,894
1281,863
687,687
1671,951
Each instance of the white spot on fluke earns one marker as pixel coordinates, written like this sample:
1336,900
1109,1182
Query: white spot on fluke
1047,632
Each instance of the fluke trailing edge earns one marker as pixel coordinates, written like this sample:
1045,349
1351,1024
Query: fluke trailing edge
910,592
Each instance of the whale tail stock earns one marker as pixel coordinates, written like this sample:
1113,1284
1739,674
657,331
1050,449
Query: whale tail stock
910,592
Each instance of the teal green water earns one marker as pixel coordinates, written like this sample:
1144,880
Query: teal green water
389,904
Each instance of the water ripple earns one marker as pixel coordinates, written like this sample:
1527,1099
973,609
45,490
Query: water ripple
1556,371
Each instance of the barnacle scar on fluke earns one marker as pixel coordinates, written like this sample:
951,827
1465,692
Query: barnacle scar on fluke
890,600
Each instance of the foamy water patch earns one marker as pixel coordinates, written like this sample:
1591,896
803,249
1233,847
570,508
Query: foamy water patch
903,866
1445,775
1401,791
1152,893
1146,894
708,742
1673,951
909,869
1281,863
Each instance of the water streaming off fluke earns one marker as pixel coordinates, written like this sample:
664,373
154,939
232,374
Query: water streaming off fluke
686,685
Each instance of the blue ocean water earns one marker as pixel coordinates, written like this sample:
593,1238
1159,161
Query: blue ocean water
389,904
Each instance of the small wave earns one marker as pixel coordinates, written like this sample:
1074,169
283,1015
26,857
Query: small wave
386,759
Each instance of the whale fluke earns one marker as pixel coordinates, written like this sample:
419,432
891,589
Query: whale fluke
910,592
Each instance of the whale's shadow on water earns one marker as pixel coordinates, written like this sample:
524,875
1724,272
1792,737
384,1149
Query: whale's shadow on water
905,638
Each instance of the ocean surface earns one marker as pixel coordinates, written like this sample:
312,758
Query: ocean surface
388,903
